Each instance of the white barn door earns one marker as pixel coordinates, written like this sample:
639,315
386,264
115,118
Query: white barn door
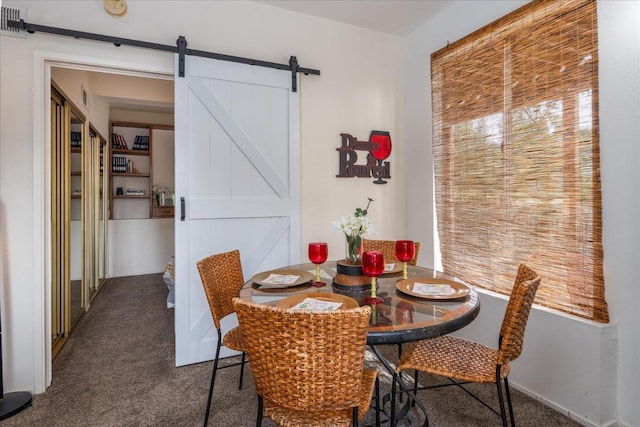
238,170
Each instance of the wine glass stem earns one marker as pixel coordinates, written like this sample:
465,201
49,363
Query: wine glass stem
317,272
404,271
373,287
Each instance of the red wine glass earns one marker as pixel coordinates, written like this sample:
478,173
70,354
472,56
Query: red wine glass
318,253
381,142
373,266
405,251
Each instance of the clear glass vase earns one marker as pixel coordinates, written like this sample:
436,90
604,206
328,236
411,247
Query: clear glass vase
353,249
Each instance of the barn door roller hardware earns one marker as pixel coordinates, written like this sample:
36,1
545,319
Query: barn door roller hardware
180,48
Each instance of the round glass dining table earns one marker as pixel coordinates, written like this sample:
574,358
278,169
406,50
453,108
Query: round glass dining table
401,317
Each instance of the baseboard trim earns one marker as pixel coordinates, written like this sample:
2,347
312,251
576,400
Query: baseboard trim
575,417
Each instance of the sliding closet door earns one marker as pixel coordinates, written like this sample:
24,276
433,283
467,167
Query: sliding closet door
60,206
101,215
78,151
78,233
94,214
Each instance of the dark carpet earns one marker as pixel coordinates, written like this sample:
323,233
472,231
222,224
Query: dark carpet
118,369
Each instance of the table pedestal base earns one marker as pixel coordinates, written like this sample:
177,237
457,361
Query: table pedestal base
400,413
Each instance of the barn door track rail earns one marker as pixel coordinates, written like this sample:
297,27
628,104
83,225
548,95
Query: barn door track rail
180,48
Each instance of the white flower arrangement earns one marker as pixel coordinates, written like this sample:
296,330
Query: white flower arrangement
354,226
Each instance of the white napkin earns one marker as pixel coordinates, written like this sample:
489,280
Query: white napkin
314,304
432,289
281,279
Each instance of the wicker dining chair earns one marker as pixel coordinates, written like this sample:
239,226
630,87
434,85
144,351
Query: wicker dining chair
308,366
388,249
222,278
464,361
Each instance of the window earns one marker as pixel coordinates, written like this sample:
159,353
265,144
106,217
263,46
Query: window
516,162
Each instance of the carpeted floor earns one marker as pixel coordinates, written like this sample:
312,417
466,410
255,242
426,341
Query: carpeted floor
118,369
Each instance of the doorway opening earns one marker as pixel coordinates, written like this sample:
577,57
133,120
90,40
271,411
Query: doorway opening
99,246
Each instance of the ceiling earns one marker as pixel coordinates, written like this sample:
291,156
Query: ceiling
398,17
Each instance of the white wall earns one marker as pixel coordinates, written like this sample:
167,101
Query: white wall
619,45
119,87
589,371
136,116
164,158
139,246
71,82
356,92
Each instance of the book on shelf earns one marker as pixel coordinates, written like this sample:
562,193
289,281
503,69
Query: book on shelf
76,139
118,142
119,164
135,192
141,142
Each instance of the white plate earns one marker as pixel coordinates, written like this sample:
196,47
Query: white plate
283,273
293,300
393,267
432,288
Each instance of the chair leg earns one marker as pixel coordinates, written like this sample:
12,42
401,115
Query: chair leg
213,380
392,417
354,421
399,356
260,410
377,391
244,355
415,387
511,416
503,415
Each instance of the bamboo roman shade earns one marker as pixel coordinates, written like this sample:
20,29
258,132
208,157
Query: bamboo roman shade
516,161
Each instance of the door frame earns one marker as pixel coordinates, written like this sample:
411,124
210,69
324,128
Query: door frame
43,62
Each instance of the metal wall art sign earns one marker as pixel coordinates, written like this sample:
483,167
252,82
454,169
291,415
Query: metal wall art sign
379,148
